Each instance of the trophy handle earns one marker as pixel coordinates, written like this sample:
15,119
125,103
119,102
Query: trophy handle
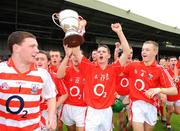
80,17
54,18
82,25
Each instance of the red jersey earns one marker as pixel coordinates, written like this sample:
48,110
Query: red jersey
20,96
122,84
178,64
100,85
74,82
52,69
60,87
175,97
142,78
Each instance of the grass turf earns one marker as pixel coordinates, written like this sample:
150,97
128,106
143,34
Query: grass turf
175,123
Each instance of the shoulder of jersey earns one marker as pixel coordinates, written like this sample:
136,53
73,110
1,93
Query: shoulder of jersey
42,70
4,63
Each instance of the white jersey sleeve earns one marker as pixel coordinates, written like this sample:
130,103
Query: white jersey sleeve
49,88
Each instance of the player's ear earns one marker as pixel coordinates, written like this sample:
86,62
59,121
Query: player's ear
16,47
155,50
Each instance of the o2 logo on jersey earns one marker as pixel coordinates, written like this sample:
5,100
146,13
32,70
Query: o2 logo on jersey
21,101
139,84
124,82
75,92
99,90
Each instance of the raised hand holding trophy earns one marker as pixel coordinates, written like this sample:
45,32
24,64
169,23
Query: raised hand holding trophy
72,24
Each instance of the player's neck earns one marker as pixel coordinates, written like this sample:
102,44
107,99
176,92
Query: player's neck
76,68
150,62
103,65
20,65
172,67
55,65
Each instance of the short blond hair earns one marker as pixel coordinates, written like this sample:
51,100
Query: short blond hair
156,45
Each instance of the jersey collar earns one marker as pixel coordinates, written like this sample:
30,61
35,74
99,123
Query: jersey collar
152,65
10,63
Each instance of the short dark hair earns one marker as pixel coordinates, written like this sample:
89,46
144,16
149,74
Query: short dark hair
105,46
17,37
55,50
163,58
172,57
45,53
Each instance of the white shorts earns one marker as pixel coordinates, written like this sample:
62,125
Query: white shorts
98,119
73,115
175,103
144,112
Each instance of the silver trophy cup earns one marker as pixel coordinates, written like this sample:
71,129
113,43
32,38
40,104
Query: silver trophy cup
69,21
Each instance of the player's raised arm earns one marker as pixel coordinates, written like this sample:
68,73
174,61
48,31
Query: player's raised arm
62,68
116,27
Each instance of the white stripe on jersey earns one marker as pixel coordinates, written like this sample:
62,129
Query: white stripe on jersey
19,124
7,70
26,98
29,110
169,77
38,129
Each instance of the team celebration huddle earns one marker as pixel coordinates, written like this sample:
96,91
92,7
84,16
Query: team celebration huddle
41,91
